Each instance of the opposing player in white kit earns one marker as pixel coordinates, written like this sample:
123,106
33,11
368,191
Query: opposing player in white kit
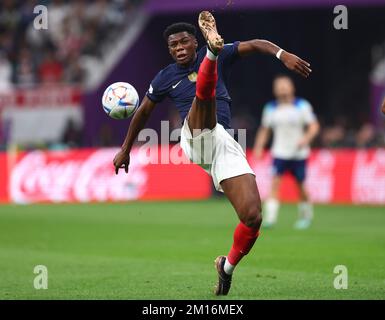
294,126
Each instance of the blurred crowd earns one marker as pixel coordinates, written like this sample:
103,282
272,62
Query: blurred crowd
76,30
341,133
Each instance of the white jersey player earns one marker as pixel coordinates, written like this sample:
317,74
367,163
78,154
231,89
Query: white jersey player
294,126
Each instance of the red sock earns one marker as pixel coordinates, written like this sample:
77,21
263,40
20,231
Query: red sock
207,79
244,239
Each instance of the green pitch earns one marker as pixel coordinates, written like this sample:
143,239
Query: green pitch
165,250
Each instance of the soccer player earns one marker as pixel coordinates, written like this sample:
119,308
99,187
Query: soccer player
197,83
294,126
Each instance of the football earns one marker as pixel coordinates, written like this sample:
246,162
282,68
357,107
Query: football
120,100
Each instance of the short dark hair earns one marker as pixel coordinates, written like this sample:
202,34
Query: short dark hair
179,27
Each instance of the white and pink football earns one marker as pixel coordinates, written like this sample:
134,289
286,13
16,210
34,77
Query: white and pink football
120,100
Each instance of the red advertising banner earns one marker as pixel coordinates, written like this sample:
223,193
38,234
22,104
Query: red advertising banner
88,175
3,178
40,97
333,176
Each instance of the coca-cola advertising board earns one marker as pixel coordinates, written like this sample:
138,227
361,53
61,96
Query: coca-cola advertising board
333,176
89,175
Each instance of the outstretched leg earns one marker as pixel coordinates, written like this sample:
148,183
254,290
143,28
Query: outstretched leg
240,190
203,111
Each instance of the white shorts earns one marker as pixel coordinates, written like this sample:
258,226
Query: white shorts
217,152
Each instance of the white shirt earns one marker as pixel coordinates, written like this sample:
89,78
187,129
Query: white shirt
288,122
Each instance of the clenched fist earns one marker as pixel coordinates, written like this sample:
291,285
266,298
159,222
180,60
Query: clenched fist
121,160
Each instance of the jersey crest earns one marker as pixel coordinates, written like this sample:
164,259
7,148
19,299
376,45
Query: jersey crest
193,77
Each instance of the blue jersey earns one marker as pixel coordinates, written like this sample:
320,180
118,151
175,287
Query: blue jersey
179,83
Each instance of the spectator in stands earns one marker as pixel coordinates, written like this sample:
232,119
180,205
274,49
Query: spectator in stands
74,71
50,70
25,69
73,38
6,42
26,13
92,40
72,136
333,136
5,73
58,10
366,136
9,14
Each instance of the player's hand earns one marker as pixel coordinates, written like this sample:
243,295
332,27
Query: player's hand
383,107
303,143
121,160
296,64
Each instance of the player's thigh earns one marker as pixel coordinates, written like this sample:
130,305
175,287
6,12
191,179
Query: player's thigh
202,114
299,173
298,170
242,192
279,168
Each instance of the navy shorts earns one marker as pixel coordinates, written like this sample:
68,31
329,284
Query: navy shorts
296,167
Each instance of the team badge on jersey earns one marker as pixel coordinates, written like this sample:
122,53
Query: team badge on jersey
193,77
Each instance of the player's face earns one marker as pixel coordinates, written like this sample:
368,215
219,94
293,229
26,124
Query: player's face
283,89
182,47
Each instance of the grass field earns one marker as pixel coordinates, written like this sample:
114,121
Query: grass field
165,250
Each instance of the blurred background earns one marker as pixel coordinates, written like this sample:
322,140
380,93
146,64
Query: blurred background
51,81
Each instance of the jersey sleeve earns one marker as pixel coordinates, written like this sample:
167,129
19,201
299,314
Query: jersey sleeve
229,53
307,112
157,90
267,113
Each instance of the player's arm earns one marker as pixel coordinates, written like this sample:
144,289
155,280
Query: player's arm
261,139
311,132
291,61
122,158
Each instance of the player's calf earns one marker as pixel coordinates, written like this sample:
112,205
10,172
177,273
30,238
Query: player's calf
245,235
207,78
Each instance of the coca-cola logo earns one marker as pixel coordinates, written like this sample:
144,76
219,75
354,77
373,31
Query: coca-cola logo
75,176
368,177
320,178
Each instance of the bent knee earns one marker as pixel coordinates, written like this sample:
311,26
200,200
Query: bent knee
253,216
